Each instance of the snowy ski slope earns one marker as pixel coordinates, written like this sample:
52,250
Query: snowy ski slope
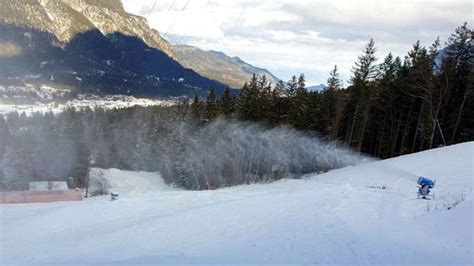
340,217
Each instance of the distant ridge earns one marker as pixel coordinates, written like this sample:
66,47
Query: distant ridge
319,87
216,65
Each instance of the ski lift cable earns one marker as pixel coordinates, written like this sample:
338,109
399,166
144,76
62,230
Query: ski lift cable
171,6
185,6
151,9
174,19
242,12
182,35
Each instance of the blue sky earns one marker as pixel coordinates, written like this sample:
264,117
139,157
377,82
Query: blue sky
306,36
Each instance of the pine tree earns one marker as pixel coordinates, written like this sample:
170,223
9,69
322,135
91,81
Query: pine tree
264,103
292,86
280,104
332,106
365,68
196,110
457,70
363,73
248,100
227,103
385,125
211,108
421,84
299,113
180,168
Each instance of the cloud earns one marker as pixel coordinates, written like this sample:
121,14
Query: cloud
289,37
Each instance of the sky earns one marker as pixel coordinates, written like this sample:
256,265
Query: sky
290,37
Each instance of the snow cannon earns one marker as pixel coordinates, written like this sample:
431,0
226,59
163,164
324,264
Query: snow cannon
114,196
425,186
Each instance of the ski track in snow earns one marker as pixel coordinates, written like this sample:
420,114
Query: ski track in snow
333,218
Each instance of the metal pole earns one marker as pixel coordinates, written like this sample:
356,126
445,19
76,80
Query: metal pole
91,164
441,131
87,182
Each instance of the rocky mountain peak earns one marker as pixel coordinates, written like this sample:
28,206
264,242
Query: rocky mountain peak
66,18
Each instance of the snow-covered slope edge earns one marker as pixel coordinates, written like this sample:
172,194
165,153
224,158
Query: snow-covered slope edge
131,183
336,218
452,167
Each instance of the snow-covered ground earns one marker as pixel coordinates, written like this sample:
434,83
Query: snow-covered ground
131,183
107,102
335,218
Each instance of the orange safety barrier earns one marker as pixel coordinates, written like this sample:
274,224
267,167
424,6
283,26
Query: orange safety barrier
27,196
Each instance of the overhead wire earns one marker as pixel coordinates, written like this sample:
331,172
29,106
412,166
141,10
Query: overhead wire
169,9
174,19
151,9
171,6
178,42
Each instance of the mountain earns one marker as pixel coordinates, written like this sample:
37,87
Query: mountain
90,46
319,87
219,66
67,18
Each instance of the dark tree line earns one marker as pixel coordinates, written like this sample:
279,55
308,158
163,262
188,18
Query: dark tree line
267,132
390,108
